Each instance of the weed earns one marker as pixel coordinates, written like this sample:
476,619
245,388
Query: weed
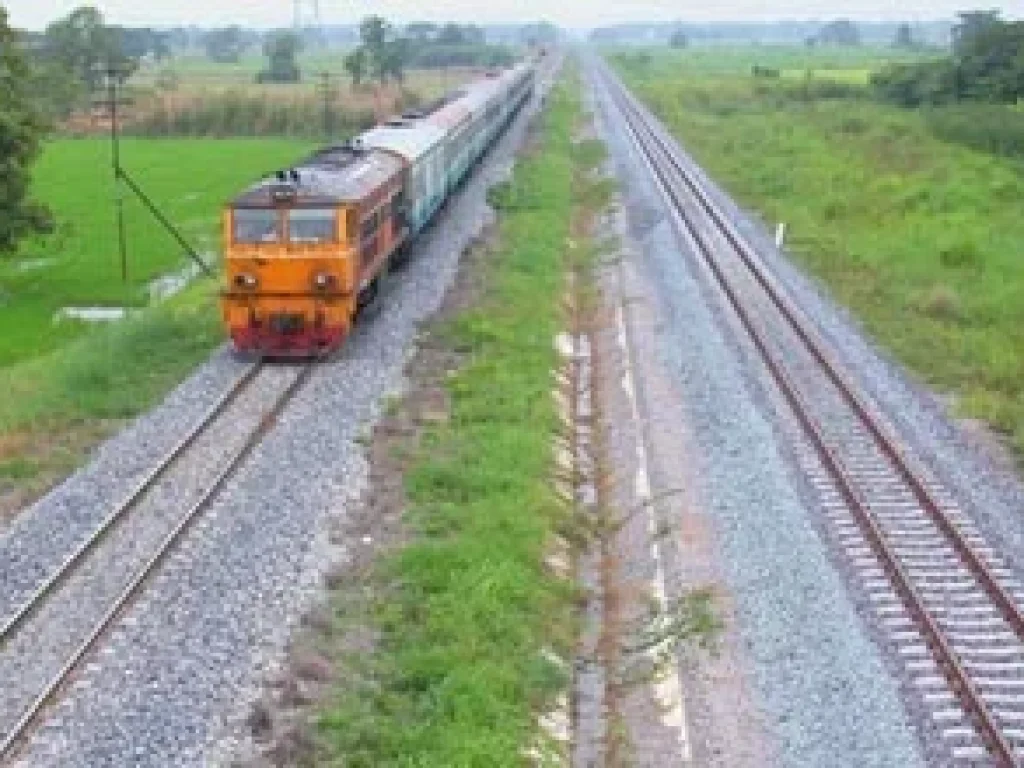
942,303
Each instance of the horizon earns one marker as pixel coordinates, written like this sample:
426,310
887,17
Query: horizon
273,14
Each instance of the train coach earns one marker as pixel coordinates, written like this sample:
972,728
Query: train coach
308,247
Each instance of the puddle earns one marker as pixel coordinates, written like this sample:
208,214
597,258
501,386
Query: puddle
164,287
93,314
160,289
30,265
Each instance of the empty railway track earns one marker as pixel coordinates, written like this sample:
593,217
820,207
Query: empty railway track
54,629
950,606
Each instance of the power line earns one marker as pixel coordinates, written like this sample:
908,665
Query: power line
113,78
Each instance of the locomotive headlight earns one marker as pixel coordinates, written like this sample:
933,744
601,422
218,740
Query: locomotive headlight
246,281
323,281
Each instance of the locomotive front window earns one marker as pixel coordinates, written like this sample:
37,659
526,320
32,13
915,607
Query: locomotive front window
256,225
311,225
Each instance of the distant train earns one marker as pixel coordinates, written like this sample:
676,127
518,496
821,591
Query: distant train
308,247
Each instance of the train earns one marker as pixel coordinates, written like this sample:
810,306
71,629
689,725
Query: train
308,247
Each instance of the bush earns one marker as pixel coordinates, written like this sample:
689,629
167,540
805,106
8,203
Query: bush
992,128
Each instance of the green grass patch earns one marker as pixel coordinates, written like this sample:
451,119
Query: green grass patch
919,236
79,264
460,675
58,405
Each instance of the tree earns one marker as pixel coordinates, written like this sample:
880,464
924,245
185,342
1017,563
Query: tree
987,65
84,45
374,31
970,32
356,65
280,48
421,31
839,32
904,37
393,58
225,46
20,131
678,39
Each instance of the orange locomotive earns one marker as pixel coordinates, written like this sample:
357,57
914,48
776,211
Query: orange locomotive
307,248
304,250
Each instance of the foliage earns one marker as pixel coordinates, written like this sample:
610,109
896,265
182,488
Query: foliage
225,46
469,619
281,48
992,128
357,66
21,127
987,65
433,56
919,237
237,113
678,39
84,46
839,32
904,37
381,54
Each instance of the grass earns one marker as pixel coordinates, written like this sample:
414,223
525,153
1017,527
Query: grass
60,404
460,674
919,236
79,263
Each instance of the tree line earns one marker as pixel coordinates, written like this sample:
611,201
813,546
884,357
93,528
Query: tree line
986,65
385,52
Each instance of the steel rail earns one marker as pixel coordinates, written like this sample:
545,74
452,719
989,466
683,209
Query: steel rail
958,677
887,442
27,608
164,549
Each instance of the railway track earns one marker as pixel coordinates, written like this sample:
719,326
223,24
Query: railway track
950,605
58,626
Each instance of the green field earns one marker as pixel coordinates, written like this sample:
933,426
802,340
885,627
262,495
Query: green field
919,236
79,263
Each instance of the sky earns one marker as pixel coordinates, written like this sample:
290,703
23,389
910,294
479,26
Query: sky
35,14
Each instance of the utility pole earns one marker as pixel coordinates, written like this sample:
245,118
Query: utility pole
324,89
113,76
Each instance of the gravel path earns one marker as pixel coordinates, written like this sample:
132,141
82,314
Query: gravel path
823,685
173,682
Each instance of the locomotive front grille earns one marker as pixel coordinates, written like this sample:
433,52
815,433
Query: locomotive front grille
287,323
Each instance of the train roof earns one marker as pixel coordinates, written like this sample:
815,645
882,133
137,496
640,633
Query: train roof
410,139
333,175
451,114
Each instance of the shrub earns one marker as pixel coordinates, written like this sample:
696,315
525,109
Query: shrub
942,303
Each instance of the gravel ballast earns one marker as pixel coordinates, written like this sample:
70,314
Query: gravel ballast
173,683
823,685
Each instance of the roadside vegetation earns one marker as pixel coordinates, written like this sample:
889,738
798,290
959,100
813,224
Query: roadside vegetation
469,618
920,236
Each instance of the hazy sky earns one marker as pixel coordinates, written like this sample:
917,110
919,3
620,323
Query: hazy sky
35,14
